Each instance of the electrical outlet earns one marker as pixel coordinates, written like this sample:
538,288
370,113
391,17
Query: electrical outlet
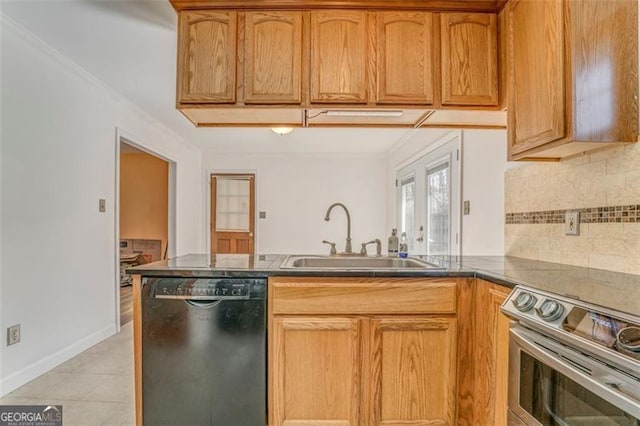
13,335
262,215
572,222
466,208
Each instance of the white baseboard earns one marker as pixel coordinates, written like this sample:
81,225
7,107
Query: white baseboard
30,372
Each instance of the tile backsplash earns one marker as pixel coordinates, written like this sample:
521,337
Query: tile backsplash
604,186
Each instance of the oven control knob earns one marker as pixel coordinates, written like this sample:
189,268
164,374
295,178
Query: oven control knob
629,339
550,310
524,301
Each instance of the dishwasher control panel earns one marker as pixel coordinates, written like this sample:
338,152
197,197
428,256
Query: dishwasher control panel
202,289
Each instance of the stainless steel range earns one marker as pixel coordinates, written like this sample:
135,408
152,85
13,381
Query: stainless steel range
571,363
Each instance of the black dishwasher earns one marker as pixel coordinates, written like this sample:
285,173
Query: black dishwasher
204,351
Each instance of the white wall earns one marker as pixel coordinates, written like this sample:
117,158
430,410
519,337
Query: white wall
296,189
58,158
484,160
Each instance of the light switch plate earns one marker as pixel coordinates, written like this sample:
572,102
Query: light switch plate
572,222
102,205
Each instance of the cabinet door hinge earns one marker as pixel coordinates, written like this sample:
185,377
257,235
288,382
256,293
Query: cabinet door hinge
457,155
396,183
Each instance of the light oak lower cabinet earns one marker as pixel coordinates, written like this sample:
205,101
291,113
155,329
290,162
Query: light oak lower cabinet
413,371
316,367
491,355
328,368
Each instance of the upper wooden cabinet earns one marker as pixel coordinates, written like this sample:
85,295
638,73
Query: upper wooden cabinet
404,48
572,76
273,57
537,105
338,57
469,59
253,66
207,57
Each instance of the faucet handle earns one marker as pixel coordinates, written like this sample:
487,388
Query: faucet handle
333,246
363,250
377,242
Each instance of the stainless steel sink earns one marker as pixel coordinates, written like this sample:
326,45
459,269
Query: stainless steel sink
353,262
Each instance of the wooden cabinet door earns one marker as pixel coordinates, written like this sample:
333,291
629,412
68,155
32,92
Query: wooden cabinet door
273,57
314,371
469,58
536,106
404,58
338,57
492,355
413,371
207,57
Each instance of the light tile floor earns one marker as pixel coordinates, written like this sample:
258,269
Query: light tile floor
94,388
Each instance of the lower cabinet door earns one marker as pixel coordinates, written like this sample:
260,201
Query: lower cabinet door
413,371
315,371
491,355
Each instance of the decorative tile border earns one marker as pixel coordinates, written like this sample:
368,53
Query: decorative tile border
610,214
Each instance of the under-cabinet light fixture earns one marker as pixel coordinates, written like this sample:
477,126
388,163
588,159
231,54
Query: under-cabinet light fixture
361,113
282,130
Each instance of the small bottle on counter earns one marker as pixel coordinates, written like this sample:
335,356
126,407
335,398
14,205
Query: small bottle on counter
392,246
404,247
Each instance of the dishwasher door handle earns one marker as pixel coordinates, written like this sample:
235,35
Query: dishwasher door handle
201,298
203,303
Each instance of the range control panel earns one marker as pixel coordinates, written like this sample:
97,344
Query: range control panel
613,331
203,289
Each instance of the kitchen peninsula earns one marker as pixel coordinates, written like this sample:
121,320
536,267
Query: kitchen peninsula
366,346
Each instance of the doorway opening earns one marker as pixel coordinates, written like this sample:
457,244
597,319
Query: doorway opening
144,216
232,213
428,200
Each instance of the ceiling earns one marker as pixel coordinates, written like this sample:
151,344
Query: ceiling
130,45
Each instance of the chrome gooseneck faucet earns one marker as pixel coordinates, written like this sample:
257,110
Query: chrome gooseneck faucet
327,217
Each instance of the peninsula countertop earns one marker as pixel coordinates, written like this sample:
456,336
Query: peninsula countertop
612,290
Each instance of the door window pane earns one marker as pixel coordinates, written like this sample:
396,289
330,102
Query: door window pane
438,209
232,204
407,206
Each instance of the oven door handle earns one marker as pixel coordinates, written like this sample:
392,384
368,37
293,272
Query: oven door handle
602,381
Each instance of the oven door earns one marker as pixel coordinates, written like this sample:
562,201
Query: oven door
552,384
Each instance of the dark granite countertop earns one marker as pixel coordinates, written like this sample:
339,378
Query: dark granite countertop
612,290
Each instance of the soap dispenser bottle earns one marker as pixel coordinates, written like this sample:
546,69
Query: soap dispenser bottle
404,247
392,246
